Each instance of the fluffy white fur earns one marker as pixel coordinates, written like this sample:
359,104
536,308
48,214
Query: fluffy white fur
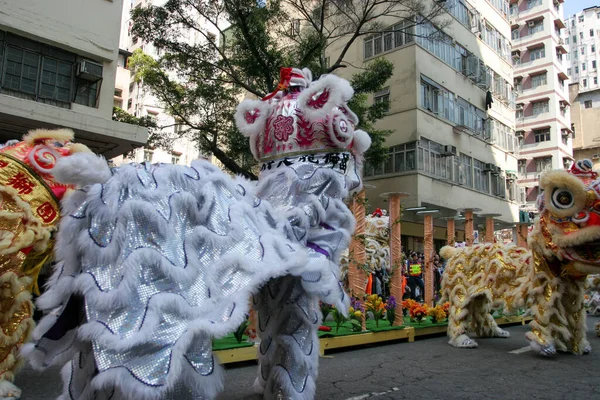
362,142
82,169
199,193
339,90
252,129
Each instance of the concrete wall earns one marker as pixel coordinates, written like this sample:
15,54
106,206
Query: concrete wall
586,143
88,28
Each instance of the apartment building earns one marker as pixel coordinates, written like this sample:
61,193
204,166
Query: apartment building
140,102
543,124
450,148
581,37
58,69
585,118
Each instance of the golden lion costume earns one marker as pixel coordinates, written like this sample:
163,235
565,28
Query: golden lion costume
549,280
29,213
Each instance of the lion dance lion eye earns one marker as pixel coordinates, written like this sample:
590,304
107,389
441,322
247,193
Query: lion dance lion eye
562,199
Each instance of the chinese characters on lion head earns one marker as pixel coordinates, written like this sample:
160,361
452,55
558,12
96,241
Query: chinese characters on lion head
549,279
168,256
29,214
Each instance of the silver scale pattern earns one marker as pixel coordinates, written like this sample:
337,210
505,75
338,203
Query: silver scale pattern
288,308
173,254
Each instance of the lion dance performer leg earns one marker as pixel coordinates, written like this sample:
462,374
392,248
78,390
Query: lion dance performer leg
155,261
548,280
29,212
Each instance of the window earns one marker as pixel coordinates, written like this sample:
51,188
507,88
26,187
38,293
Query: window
591,32
295,27
538,80
447,105
522,167
593,48
538,26
588,103
395,36
383,96
583,66
129,104
568,71
575,54
595,80
541,135
515,34
431,160
567,40
543,164
34,71
87,93
464,170
148,155
582,50
538,53
401,158
533,3
540,107
576,69
585,83
581,18
481,177
175,158
581,35
593,64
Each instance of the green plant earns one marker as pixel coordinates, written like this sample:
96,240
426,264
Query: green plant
239,332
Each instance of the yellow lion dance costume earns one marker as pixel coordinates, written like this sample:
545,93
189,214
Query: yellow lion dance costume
29,213
549,279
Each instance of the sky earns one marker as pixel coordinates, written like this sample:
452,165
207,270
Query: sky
571,7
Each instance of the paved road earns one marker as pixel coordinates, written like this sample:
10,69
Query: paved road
427,369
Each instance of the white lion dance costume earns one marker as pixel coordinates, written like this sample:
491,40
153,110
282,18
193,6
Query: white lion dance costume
154,261
549,279
29,214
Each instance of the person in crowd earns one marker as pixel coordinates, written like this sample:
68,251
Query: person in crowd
415,277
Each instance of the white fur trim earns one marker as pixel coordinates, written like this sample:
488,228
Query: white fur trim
334,92
82,169
251,116
362,142
61,135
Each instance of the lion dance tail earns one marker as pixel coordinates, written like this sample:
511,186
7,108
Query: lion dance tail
446,252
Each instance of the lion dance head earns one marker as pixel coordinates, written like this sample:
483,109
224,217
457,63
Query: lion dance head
568,227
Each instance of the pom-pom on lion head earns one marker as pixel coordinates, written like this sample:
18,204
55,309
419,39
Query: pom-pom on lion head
568,227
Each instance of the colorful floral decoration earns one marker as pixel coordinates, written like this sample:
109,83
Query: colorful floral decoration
376,307
390,310
437,314
419,312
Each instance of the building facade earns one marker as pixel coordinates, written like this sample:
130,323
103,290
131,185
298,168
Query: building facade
140,102
540,79
455,149
58,64
585,117
582,39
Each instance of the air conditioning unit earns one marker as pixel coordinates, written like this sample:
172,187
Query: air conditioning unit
489,167
595,156
519,106
460,129
89,71
530,23
449,151
519,134
496,171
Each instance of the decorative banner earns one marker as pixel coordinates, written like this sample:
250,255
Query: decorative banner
30,189
451,229
428,252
